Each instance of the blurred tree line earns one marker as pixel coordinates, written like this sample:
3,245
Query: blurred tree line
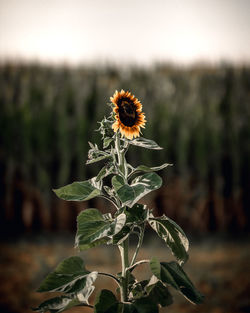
200,115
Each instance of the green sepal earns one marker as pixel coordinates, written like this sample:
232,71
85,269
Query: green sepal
70,277
172,234
172,274
79,191
94,229
140,186
58,304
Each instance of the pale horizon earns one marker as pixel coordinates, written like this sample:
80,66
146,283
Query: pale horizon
140,32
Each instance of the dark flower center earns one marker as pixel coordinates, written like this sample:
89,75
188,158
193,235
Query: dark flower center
127,113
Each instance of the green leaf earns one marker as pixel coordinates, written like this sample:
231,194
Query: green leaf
106,142
137,214
100,158
158,293
104,172
94,229
172,274
121,236
145,143
58,304
79,191
71,277
172,234
140,186
105,302
144,168
138,289
145,305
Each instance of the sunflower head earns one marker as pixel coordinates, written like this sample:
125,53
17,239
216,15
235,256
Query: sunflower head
128,114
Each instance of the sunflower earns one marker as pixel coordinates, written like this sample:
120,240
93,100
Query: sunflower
128,114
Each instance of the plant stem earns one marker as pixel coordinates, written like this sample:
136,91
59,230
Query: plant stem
110,275
140,240
124,247
137,263
110,200
125,263
121,157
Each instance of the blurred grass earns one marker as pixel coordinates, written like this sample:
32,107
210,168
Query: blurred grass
219,268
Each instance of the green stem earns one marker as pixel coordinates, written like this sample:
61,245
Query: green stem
121,157
125,263
124,247
140,240
110,275
137,263
110,200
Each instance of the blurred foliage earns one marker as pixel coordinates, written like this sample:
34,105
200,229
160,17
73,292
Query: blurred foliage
200,115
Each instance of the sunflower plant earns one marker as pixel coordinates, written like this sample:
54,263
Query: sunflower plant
123,186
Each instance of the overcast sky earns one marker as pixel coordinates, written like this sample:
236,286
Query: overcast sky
141,31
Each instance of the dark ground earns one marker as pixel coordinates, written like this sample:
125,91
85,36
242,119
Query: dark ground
219,268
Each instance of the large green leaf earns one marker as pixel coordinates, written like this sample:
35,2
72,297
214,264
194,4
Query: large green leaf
79,191
172,234
172,274
106,302
146,305
137,214
146,169
121,236
158,293
94,229
152,290
58,304
145,143
140,186
71,277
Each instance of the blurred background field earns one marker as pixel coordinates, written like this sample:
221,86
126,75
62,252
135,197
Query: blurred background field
199,115
188,62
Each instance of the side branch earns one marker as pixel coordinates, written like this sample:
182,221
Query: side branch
130,268
140,240
110,275
110,200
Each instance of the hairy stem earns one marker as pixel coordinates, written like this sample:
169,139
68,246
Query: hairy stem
121,156
110,275
110,200
140,240
137,263
124,247
125,262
